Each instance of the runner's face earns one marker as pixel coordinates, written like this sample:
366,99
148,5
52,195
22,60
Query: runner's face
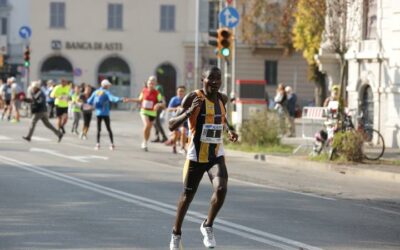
212,82
151,84
180,93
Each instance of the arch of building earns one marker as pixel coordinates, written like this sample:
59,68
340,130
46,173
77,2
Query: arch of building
167,77
117,71
56,67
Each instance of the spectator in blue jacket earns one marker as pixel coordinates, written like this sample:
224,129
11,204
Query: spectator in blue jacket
101,101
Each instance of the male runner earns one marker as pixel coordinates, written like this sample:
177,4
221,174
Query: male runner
205,109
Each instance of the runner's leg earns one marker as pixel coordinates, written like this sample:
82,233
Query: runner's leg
99,118
219,179
192,175
108,126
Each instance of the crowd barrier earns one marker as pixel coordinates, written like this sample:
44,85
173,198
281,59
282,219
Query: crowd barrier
312,121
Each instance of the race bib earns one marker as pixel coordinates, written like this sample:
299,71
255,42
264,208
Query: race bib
147,104
87,107
212,133
64,97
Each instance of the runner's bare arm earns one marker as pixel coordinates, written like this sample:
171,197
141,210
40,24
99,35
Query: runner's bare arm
189,103
233,136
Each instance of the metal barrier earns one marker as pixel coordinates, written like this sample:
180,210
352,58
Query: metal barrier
313,118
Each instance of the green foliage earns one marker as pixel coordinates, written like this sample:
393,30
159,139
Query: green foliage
308,28
269,149
267,22
261,129
349,144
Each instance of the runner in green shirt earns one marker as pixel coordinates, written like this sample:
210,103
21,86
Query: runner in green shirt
61,95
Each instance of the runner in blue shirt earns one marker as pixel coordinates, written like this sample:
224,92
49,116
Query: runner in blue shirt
173,107
101,101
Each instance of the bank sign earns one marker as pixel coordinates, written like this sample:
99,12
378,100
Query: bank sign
71,45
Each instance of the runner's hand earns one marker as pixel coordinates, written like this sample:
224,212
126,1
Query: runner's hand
197,101
233,137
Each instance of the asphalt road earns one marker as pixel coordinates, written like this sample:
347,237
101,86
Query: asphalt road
69,196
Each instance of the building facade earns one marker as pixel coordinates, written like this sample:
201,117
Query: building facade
126,41
373,58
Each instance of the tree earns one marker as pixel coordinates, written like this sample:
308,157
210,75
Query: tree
267,22
307,36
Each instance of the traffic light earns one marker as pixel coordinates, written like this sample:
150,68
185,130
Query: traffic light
214,42
27,57
225,42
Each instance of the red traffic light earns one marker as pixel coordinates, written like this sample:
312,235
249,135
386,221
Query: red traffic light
27,53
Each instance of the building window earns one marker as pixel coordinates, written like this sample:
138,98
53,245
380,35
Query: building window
271,72
3,30
57,15
213,15
370,19
115,16
167,20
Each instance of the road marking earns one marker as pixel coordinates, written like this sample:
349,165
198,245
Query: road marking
83,158
223,225
37,138
281,189
253,184
5,138
379,209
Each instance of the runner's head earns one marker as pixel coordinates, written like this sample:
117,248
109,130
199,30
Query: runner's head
105,84
35,86
64,82
211,79
151,82
180,92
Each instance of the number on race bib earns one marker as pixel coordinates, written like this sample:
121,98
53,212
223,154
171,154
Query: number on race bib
212,133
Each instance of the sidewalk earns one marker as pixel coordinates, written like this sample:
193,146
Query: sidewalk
386,169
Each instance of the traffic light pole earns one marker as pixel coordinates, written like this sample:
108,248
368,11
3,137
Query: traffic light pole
232,94
196,47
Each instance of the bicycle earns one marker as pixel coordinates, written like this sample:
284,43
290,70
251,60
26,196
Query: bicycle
373,146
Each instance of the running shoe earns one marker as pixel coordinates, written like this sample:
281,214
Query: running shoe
97,147
175,243
156,140
60,137
26,138
182,151
112,147
208,234
144,147
174,150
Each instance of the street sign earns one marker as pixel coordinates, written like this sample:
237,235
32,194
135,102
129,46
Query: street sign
25,32
229,17
77,72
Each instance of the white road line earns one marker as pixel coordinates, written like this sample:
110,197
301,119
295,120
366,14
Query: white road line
237,229
253,184
79,158
5,138
37,138
281,189
379,209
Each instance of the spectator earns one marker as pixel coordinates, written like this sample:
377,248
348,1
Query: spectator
291,108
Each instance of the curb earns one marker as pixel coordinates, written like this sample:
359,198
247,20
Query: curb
358,170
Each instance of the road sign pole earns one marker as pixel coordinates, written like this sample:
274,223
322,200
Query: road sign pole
232,94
